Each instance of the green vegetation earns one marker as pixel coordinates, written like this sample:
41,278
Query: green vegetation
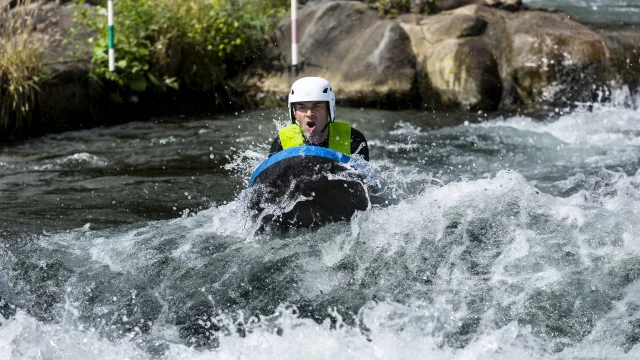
191,45
390,7
395,7
196,44
22,68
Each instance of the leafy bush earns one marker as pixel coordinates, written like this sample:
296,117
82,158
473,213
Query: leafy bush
167,43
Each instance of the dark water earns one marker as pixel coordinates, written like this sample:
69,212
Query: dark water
150,170
514,237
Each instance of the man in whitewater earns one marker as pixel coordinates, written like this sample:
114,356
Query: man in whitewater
312,110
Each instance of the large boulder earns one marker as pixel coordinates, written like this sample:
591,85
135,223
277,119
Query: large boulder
555,60
368,60
452,26
462,73
456,67
623,55
558,61
529,58
480,56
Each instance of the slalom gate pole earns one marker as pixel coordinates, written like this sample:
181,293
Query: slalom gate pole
294,37
112,52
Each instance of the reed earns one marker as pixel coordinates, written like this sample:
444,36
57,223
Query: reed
22,67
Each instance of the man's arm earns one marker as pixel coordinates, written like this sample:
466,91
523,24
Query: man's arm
359,144
276,146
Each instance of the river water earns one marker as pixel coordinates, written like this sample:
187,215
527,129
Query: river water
512,237
600,12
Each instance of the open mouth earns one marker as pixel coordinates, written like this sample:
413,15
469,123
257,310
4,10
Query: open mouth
311,125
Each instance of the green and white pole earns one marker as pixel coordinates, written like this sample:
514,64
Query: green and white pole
112,51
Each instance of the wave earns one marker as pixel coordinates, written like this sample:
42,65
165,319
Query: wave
468,269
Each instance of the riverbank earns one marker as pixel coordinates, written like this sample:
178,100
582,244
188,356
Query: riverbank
474,57
465,55
172,58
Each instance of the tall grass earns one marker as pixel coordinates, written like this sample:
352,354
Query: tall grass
22,67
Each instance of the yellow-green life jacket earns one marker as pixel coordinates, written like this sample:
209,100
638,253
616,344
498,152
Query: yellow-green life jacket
339,136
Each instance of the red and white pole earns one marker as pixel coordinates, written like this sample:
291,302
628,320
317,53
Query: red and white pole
294,37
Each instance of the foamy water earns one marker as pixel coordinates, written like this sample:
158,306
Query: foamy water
605,12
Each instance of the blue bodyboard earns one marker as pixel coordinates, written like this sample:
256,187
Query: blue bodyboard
308,186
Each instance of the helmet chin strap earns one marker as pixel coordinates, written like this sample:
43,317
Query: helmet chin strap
325,127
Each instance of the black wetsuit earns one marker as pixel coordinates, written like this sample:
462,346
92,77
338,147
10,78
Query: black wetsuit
357,140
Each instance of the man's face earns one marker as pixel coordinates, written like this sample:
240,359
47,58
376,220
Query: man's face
313,118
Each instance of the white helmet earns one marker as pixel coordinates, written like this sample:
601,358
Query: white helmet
312,89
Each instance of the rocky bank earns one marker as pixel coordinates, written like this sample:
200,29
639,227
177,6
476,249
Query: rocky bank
473,55
469,55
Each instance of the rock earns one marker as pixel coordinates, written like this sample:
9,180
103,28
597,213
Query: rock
531,58
554,60
452,26
496,38
546,59
462,74
444,5
456,68
624,55
368,60
54,23
478,56
510,5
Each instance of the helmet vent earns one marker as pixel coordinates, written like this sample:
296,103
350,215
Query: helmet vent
291,91
325,90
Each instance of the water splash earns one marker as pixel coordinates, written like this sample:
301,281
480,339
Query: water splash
484,265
